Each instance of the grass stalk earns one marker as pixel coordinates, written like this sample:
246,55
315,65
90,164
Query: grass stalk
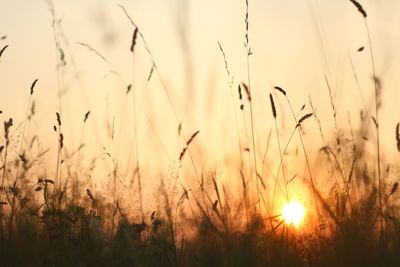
7,125
60,62
164,86
135,33
252,119
313,189
377,104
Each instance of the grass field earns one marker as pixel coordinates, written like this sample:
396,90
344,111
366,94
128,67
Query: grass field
145,187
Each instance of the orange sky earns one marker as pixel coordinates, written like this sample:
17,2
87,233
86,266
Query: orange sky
294,44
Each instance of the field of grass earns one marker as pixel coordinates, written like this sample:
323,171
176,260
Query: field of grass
193,217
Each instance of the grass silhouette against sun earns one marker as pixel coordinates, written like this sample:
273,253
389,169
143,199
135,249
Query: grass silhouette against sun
353,220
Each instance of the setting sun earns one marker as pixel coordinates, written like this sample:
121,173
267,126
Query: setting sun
293,212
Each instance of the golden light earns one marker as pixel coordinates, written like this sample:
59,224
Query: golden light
293,212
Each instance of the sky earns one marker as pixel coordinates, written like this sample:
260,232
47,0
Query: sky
295,43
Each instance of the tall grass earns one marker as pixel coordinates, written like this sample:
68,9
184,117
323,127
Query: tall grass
353,221
249,93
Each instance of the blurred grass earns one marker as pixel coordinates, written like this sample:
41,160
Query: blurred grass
353,220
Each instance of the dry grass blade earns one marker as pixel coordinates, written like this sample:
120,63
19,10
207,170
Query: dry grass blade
33,85
62,57
214,205
359,8
246,21
351,171
179,128
279,224
93,50
58,118
280,90
192,138
247,90
32,110
394,188
89,193
377,81
127,15
332,102
41,154
135,33
61,140
183,197
2,50
225,61
262,181
291,179
272,106
398,136
86,116
302,119
375,122
128,88
240,92
48,181
243,179
218,194
272,218
326,207
7,126
378,85
187,145
151,72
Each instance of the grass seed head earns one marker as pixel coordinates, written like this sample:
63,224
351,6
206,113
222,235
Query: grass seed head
359,8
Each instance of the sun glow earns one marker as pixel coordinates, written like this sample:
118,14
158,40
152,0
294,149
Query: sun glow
293,212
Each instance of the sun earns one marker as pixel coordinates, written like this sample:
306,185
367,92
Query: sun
293,212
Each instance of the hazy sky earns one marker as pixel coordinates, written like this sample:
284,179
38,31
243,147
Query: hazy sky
294,43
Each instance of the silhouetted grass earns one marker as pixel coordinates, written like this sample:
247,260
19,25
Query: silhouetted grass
64,222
